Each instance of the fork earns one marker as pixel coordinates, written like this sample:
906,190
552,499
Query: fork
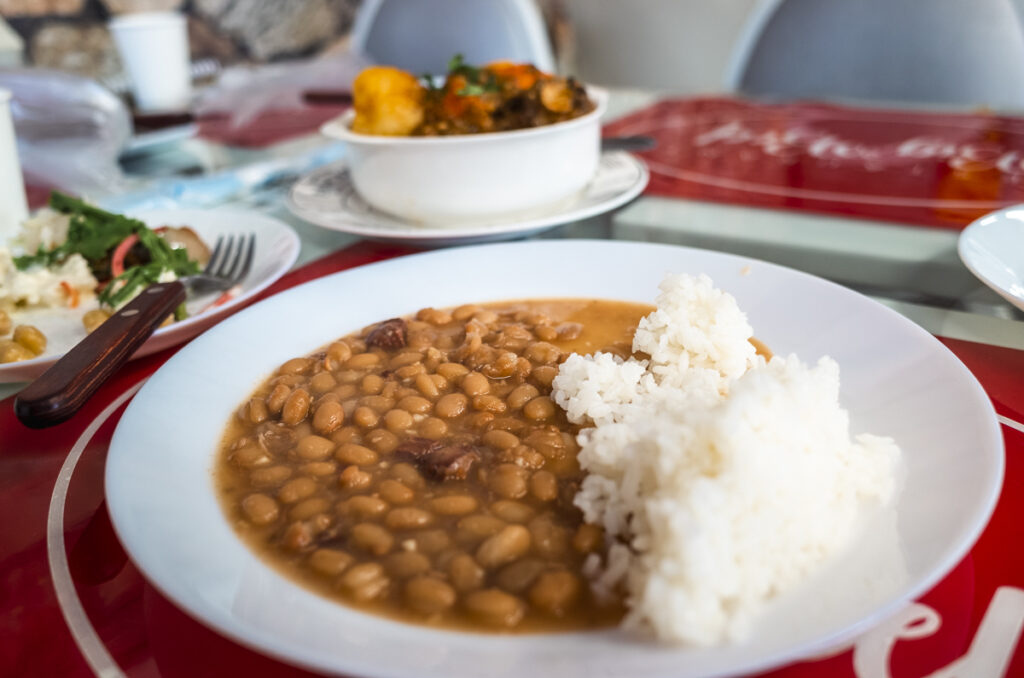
62,389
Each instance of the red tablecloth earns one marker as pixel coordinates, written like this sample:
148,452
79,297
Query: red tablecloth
148,636
930,168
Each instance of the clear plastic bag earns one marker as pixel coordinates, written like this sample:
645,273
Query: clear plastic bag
70,130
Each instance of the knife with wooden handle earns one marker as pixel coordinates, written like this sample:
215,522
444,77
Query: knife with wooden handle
60,391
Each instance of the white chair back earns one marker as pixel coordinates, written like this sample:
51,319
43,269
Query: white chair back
420,36
956,52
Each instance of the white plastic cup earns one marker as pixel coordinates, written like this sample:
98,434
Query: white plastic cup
13,204
154,49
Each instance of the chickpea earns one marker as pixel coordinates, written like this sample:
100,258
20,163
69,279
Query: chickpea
90,320
11,351
31,338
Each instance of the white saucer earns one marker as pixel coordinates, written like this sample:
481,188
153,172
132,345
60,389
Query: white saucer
992,247
327,198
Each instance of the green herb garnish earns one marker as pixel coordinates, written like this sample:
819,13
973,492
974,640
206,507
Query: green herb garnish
94,233
478,81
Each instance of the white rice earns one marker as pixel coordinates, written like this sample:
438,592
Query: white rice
721,479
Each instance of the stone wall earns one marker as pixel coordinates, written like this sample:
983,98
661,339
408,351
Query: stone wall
71,35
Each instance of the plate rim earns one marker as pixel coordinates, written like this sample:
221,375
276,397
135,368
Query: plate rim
952,553
464,234
972,234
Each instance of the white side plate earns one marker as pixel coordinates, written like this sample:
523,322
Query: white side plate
992,247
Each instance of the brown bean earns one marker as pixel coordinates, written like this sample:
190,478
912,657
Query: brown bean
296,366
337,354
398,420
257,411
521,395
406,358
328,417
305,510
365,581
296,489
314,448
429,595
474,384
489,403
351,453
452,371
381,440
372,538
408,518
543,353
495,607
415,404
465,312
345,434
408,474
464,573
539,409
453,504
319,468
512,511
322,383
250,456
546,332
544,374
260,509
372,384
354,479
395,492
362,361
366,417
478,527
510,543
426,386
555,592
544,486
296,407
517,577
329,562
588,538
502,440
431,541
276,398
432,428
508,481
405,564
364,507
550,541
451,405
378,403
269,476
297,536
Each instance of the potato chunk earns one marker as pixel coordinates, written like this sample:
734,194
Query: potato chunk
388,101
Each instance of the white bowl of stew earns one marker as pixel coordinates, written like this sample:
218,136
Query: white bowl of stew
491,176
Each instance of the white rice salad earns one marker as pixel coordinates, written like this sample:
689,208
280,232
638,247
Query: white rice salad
58,286
721,479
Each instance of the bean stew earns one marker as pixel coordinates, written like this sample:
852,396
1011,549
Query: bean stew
419,469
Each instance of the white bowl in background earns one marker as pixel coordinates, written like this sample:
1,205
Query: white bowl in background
472,177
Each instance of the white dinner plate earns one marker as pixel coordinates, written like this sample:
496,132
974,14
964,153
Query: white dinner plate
277,247
992,247
896,380
327,198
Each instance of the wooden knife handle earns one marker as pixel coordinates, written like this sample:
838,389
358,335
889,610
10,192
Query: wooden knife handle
60,391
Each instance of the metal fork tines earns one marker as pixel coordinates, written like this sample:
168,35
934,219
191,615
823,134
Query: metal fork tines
229,264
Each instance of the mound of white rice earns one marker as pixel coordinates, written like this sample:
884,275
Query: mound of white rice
720,478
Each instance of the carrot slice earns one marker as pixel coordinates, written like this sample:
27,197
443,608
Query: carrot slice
72,292
120,252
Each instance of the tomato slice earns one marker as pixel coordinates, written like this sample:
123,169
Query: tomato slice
120,252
